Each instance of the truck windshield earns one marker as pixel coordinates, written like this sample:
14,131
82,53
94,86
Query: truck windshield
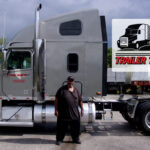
131,31
19,60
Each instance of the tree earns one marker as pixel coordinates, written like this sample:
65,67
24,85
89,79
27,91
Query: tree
0,58
109,58
1,41
1,55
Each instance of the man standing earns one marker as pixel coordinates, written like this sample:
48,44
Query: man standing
67,101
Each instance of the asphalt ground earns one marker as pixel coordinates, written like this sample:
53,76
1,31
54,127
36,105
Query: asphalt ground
114,134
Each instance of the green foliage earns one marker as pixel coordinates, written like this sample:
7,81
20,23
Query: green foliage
109,58
1,58
1,55
1,41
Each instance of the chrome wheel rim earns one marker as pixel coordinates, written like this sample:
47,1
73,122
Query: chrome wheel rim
147,119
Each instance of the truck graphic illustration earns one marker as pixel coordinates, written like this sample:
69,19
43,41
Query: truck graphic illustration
136,36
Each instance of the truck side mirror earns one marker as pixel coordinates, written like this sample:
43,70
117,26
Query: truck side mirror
139,31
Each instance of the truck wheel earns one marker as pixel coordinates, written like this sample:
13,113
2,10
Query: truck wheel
127,118
145,118
137,46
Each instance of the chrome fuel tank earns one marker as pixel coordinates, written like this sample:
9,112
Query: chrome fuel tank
45,113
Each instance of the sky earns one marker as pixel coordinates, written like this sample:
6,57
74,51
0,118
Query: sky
20,13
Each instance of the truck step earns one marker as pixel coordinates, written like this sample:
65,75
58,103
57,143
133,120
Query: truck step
16,124
107,114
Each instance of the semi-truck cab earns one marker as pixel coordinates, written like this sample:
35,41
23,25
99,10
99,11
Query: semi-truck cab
39,59
136,36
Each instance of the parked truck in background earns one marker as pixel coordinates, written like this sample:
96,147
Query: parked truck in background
38,60
136,36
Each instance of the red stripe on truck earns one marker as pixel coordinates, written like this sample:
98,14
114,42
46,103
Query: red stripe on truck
18,81
18,75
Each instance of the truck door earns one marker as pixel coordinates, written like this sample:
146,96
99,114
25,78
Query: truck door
18,75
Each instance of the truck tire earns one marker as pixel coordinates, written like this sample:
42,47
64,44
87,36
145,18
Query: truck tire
127,118
145,117
141,117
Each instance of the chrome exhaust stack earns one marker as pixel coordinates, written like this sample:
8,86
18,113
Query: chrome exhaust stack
38,44
37,21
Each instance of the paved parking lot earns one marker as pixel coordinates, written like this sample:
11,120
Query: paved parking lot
102,135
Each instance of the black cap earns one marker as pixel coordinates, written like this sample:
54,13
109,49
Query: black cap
70,78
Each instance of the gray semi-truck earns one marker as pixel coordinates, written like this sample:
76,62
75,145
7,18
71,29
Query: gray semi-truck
136,36
38,60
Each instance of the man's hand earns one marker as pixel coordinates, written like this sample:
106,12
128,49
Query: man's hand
82,112
56,113
56,107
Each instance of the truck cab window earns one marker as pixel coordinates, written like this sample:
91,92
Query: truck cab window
139,31
19,60
71,28
72,63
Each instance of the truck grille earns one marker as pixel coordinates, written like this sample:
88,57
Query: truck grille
124,41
